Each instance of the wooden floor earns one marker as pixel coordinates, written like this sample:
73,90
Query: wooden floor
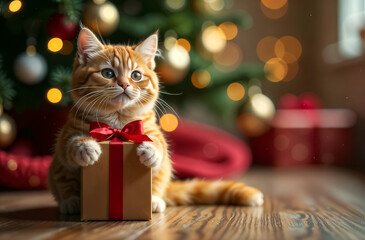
315,203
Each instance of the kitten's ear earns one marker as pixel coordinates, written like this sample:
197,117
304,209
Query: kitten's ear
148,48
87,44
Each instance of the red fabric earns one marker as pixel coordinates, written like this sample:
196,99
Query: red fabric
115,179
206,152
197,151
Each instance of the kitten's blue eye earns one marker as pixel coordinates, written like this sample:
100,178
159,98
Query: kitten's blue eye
136,76
107,73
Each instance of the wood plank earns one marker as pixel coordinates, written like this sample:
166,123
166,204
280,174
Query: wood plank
310,203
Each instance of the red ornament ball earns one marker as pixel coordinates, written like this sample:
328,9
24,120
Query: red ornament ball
59,26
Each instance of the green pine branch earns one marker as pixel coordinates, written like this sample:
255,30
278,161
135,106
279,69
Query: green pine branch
72,9
61,77
7,91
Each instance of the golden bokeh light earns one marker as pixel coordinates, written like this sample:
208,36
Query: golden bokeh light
274,13
266,48
293,67
262,106
15,6
213,39
55,44
184,43
274,4
235,91
67,47
54,95
230,30
175,4
178,57
250,125
169,42
12,165
31,50
108,13
288,44
200,78
168,122
230,56
276,69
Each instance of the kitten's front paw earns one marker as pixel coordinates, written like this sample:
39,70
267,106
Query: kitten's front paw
149,155
158,205
70,205
85,153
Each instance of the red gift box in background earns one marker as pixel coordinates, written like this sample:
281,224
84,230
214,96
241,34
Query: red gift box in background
306,136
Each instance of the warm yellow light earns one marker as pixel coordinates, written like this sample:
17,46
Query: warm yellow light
54,95
276,69
274,13
175,4
178,57
230,30
168,122
235,91
99,1
266,48
12,165
231,55
108,13
200,78
288,44
184,43
15,6
169,42
67,47
31,50
213,39
274,4
262,106
55,44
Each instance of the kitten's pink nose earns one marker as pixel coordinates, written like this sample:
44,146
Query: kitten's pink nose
124,85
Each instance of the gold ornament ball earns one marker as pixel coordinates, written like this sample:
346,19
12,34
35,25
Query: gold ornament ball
103,17
254,115
7,130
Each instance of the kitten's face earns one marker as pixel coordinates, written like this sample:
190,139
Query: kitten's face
108,78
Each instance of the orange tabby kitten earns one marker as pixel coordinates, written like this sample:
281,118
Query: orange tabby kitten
117,85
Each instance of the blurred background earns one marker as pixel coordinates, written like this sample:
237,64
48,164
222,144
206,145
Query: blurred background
284,76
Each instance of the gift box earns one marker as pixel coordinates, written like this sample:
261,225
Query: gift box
118,186
302,137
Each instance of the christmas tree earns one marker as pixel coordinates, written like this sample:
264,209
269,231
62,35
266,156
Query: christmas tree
200,61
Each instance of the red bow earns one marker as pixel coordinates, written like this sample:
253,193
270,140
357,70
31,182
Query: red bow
133,131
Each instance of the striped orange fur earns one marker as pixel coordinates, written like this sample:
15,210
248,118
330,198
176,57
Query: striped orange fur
116,85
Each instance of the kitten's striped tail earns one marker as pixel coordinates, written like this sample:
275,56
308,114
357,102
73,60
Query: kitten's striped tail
212,192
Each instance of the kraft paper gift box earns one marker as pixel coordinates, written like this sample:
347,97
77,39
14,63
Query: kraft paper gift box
118,186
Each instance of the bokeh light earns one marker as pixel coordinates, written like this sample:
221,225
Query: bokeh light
15,6
262,106
184,43
55,44
213,39
230,30
250,125
276,69
67,47
175,4
266,48
293,67
288,44
99,1
230,56
168,122
108,13
235,91
12,165
178,57
31,50
54,95
169,42
274,13
200,78
274,4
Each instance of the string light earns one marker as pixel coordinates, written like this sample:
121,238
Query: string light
54,95
168,122
31,50
200,78
213,39
266,48
178,57
55,44
276,69
288,44
15,6
235,91
230,30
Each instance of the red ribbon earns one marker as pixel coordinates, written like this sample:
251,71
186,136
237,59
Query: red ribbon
133,131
